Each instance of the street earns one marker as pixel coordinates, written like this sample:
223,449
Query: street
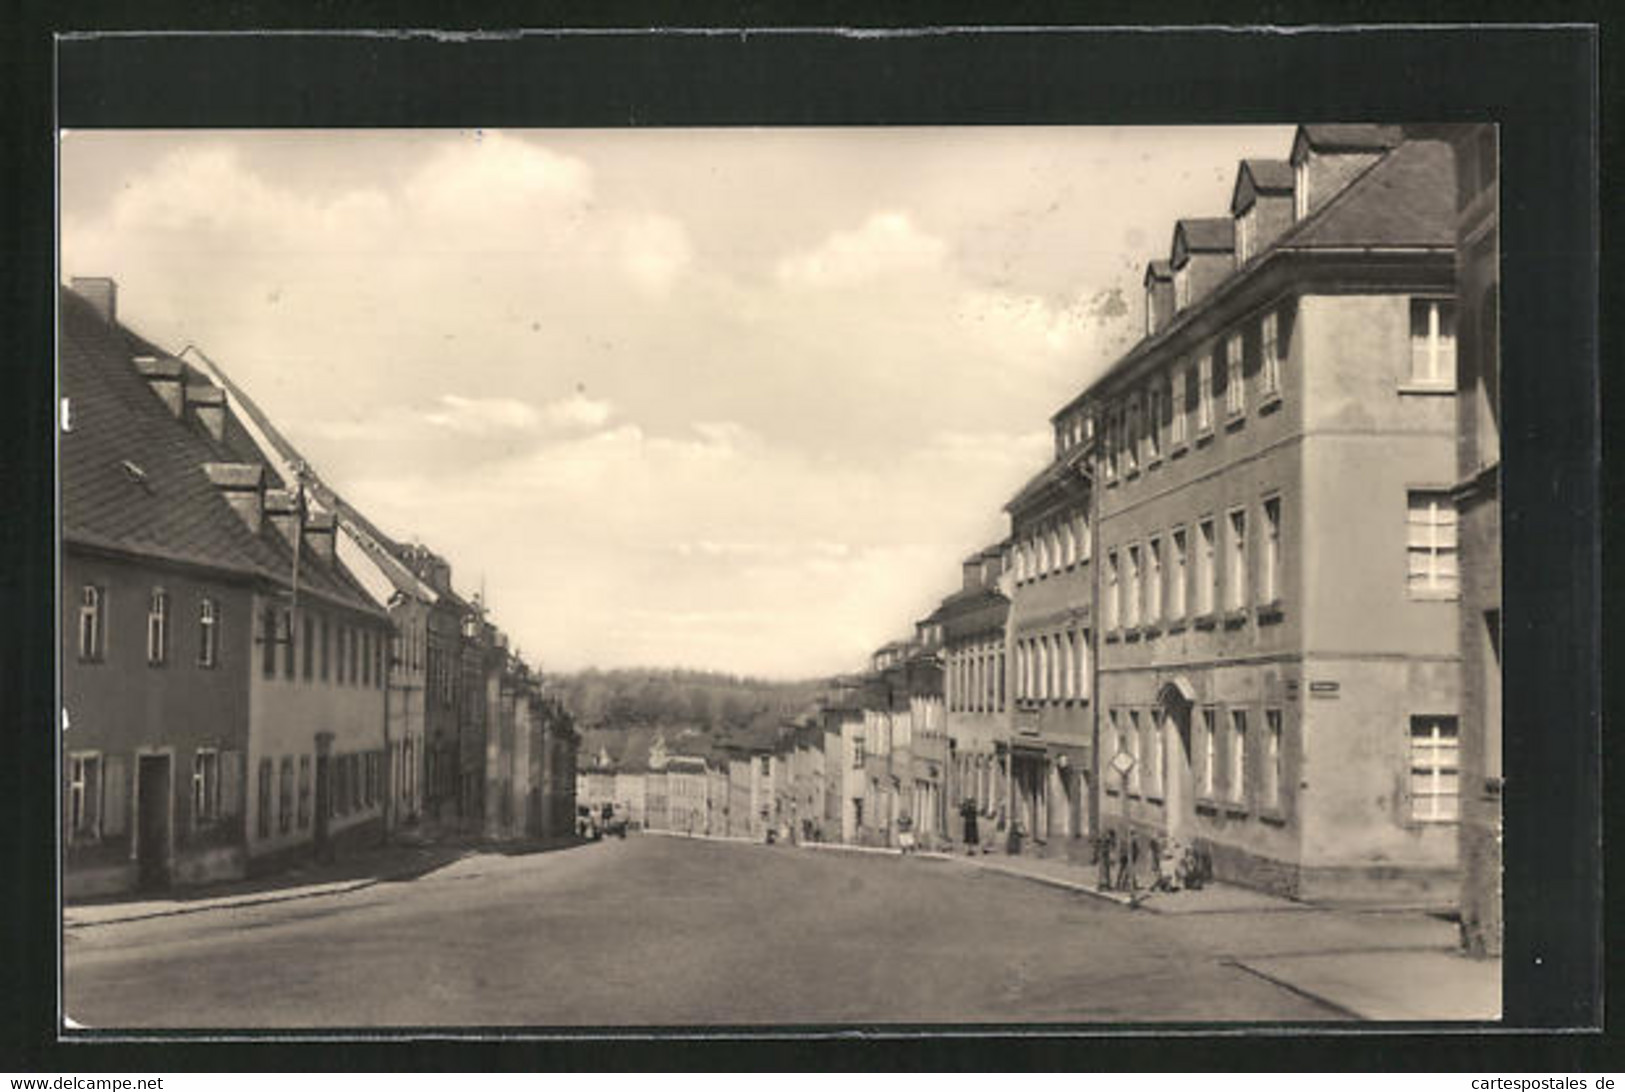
666,931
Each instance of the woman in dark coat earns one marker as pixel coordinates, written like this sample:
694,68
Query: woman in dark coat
967,812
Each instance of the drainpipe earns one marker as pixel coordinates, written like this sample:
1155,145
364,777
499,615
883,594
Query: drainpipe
389,752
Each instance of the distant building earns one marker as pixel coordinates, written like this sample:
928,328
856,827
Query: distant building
976,693
687,794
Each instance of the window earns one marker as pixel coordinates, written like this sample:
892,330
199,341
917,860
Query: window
91,621
1433,343
1131,436
378,676
286,635
284,797
304,791
1176,407
1300,190
1182,287
309,645
1238,755
1153,424
1210,753
208,632
1069,660
84,796
1083,664
1272,758
1133,587
1269,348
1176,575
1113,593
1207,576
263,824
325,649
1136,774
268,642
1085,547
1154,755
205,786
1235,393
1204,394
1269,580
1244,235
1153,580
1069,545
355,656
1432,544
1236,582
158,627
1435,766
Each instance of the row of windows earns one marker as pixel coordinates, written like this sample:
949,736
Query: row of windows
98,792
1220,768
1053,667
1149,584
1057,545
975,679
93,626
1145,425
357,785
346,655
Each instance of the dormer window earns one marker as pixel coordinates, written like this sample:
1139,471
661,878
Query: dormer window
1150,312
1300,189
1182,287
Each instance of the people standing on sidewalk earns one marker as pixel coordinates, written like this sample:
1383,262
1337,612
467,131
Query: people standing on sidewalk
967,812
1104,852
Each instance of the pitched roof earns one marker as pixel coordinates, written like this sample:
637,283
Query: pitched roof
1206,234
1269,175
1158,269
1406,198
1350,137
132,473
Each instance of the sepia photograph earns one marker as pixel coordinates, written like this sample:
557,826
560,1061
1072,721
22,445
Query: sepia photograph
565,578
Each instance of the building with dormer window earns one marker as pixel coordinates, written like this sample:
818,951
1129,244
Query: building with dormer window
1278,647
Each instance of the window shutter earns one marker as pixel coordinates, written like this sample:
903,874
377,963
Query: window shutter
115,795
231,784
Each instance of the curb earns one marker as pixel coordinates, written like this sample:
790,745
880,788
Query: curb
229,903
1294,988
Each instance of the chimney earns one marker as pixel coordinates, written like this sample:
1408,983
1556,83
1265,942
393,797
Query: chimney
1261,205
1202,257
319,530
243,486
101,293
208,402
282,509
166,376
1325,158
1159,296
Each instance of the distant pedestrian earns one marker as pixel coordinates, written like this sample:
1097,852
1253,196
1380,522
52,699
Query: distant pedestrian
967,812
1108,849
905,834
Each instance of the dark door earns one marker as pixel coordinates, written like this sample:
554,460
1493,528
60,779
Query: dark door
152,822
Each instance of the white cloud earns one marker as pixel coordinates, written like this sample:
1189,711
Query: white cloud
886,245
578,411
481,415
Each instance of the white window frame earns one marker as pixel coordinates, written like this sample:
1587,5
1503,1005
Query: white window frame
1114,593
1238,756
1134,616
1153,579
1136,774
1300,189
1269,334
1236,560
1273,728
1269,577
1210,753
208,623
205,787
1434,753
1182,286
1176,407
92,616
85,791
1204,393
1244,235
1153,423
1433,358
1179,543
1433,565
158,627
1235,390
1207,566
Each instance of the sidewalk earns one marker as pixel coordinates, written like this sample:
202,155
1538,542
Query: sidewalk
1415,986
405,859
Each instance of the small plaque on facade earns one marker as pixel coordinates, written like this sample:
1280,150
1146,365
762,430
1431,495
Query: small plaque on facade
1324,688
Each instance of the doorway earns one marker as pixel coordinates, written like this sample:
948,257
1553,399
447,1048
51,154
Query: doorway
153,814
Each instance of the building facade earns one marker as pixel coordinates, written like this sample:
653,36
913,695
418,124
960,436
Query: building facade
1275,535
976,697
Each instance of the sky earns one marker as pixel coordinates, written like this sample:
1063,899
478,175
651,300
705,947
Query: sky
729,399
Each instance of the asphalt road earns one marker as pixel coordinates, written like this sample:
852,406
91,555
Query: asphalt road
671,932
